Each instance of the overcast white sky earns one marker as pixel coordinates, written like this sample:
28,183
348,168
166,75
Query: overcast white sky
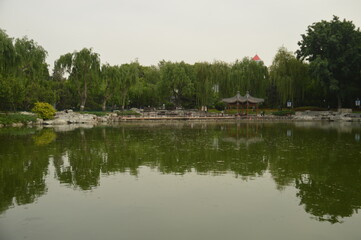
176,30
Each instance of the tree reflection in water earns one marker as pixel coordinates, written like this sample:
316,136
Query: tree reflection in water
322,164
23,168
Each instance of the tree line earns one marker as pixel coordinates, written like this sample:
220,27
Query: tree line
325,71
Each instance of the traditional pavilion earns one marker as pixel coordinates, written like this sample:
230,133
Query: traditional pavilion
243,101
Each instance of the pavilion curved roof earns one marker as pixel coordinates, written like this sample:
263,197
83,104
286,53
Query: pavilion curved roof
238,98
242,99
251,99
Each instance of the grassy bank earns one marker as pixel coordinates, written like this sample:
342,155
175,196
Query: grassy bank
10,118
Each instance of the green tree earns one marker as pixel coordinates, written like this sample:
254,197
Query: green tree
204,85
177,82
83,68
109,83
7,54
289,76
248,75
333,49
145,92
129,75
221,79
23,73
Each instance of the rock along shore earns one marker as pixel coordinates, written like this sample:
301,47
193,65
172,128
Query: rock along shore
69,117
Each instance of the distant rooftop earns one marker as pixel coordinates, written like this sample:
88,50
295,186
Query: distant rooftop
256,58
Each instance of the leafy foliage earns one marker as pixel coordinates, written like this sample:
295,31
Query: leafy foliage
127,113
284,113
308,108
23,73
333,49
44,110
289,76
83,68
8,119
326,72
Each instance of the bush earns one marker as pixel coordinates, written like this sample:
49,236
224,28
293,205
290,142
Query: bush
220,106
127,113
170,106
284,113
213,111
44,110
310,108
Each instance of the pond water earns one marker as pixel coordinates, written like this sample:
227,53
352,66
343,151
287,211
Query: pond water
182,181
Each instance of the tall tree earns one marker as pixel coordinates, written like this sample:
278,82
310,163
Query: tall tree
333,49
203,83
129,75
109,83
249,75
177,82
24,73
7,54
221,79
145,92
289,76
83,68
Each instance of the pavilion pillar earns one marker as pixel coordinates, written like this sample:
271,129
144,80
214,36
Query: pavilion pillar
247,109
237,108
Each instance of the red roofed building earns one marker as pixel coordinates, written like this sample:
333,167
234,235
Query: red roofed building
256,58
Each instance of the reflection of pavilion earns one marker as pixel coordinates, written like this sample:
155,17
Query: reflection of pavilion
243,101
242,141
246,134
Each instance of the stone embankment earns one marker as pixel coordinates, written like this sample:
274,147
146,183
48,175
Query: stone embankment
69,117
342,115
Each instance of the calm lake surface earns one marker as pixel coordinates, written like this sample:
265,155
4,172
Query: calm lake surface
182,181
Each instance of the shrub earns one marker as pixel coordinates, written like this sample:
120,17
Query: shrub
170,106
283,113
220,106
213,111
44,110
310,108
127,113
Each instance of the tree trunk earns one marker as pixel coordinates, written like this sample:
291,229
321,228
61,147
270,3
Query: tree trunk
84,96
104,106
339,101
123,103
124,96
82,102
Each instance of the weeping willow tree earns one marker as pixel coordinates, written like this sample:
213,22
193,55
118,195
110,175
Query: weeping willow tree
83,68
145,92
249,75
221,79
109,83
7,55
289,76
177,82
129,75
24,73
204,84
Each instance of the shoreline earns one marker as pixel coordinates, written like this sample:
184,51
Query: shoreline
75,118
